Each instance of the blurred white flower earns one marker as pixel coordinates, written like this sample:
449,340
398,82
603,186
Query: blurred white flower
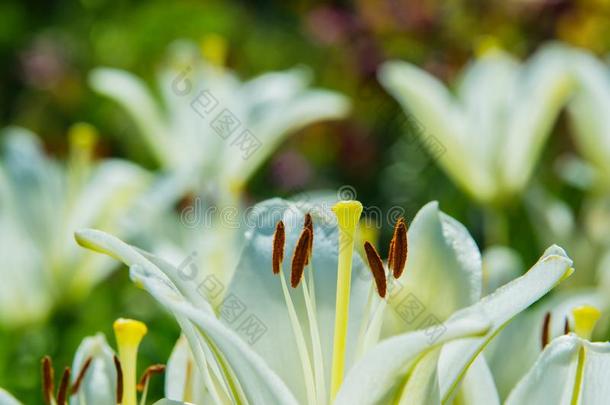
570,370
42,203
320,342
588,112
199,129
493,128
98,375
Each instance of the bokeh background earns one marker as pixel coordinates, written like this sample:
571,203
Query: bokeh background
47,49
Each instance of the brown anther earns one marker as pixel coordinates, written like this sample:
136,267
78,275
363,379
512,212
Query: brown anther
48,378
154,369
545,330
398,249
81,376
308,224
62,393
119,380
566,326
299,257
376,265
279,239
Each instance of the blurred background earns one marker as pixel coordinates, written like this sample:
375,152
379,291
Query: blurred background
48,49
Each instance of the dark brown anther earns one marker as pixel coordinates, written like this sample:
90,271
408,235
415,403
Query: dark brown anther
299,258
376,265
566,327
81,376
119,380
279,239
48,378
398,249
308,224
62,393
545,330
154,369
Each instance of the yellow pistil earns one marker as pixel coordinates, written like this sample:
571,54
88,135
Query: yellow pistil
348,215
585,318
129,334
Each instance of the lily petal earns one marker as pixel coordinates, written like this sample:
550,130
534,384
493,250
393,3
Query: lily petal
443,261
7,399
99,383
501,306
378,376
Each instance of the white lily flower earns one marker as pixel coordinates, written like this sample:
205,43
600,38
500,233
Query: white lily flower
588,111
515,350
493,128
571,370
43,203
98,375
198,131
270,344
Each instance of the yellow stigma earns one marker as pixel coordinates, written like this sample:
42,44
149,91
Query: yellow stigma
129,334
585,318
348,216
214,49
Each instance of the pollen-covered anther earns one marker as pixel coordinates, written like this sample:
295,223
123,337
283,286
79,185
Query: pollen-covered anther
62,393
154,369
81,376
308,224
376,265
119,379
300,257
279,239
545,330
398,249
48,378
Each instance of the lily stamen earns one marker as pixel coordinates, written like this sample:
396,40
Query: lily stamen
545,330
148,373
62,393
142,386
48,381
312,318
398,249
279,240
377,269
300,257
81,376
119,379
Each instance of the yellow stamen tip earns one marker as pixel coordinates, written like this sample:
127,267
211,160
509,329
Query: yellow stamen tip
129,332
82,136
214,49
585,318
487,45
348,214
